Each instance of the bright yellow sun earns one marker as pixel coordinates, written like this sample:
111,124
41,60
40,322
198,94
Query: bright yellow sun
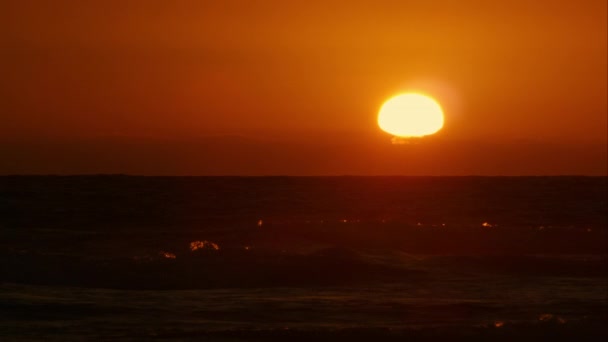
410,115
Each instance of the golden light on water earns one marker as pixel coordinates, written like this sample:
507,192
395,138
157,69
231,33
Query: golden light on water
410,115
167,255
208,245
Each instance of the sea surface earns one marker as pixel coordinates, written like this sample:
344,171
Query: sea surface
303,258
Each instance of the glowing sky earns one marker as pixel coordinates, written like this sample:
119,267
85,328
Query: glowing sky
515,79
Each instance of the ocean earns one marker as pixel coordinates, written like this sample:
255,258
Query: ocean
303,258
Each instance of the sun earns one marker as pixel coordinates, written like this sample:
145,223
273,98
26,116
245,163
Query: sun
410,115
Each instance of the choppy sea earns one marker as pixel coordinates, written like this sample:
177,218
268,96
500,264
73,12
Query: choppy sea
303,258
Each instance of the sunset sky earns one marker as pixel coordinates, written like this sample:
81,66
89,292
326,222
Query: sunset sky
294,87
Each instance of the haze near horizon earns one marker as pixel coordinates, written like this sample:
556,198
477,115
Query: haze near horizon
232,88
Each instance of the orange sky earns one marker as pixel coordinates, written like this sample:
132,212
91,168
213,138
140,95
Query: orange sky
146,81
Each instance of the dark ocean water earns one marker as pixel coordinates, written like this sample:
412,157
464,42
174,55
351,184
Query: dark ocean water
284,258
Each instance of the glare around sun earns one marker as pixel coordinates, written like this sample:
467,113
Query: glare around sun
410,115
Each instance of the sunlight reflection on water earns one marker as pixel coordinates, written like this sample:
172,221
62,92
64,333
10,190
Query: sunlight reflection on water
206,245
